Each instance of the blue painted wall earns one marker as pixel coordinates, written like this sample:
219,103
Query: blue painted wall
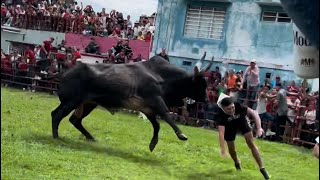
245,37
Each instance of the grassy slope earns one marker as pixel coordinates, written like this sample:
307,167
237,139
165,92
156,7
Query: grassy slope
121,152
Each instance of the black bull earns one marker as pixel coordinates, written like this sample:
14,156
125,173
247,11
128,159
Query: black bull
150,87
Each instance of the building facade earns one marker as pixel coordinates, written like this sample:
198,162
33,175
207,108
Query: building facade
234,31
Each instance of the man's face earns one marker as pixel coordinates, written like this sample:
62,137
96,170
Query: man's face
265,89
293,98
252,65
230,110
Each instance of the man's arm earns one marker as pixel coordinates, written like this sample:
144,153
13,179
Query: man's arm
244,77
254,116
221,130
268,96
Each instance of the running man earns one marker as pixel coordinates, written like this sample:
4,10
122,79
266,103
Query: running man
231,117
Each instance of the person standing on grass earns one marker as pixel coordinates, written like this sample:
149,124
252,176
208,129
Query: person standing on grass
230,118
262,108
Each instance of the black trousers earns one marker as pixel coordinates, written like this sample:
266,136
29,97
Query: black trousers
281,121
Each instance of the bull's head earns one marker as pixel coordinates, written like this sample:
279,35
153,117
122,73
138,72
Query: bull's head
199,84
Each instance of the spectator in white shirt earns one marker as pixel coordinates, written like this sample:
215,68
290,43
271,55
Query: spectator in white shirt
136,30
251,77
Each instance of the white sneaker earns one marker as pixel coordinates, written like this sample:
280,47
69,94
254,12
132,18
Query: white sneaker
270,133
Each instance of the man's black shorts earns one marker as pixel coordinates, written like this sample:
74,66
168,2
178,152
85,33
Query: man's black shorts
231,129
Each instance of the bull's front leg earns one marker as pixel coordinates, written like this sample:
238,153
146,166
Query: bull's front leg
162,110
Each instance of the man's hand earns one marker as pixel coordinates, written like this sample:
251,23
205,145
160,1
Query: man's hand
223,154
259,132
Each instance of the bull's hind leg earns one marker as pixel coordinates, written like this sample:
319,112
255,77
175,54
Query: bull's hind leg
81,112
58,114
156,128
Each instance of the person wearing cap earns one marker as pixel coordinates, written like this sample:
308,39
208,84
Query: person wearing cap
251,77
231,118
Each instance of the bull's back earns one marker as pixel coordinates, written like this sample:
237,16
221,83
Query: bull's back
102,81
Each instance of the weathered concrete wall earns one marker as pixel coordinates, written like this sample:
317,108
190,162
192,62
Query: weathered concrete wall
28,36
245,36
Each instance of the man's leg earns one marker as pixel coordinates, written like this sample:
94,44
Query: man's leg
255,153
254,150
233,154
229,136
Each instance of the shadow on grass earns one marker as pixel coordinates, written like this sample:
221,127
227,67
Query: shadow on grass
83,145
219,174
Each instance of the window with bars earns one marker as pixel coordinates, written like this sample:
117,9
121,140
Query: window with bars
273,16
205,22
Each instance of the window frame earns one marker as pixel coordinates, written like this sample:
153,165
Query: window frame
277,17
197,26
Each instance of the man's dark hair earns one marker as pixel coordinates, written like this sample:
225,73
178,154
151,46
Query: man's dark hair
226,101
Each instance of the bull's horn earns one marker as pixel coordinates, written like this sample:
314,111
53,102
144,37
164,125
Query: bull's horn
199,63
209,65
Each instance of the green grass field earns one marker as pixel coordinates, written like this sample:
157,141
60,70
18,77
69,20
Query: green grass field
121,151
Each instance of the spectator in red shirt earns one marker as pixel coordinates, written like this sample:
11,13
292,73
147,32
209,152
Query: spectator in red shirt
61,55
46,48
30,58
29,55
148,37
76,55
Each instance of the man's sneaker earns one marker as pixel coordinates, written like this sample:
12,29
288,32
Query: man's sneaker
264,173
238,166
270,133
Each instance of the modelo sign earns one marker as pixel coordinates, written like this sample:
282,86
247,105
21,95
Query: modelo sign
306,56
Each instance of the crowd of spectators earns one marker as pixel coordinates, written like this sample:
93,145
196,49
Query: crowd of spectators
61,16
278,104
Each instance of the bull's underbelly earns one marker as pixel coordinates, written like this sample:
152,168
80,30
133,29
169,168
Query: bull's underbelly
137,104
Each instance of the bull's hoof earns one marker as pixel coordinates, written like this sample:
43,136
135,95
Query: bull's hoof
151,147
153,144
91,139
55,136
182,137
